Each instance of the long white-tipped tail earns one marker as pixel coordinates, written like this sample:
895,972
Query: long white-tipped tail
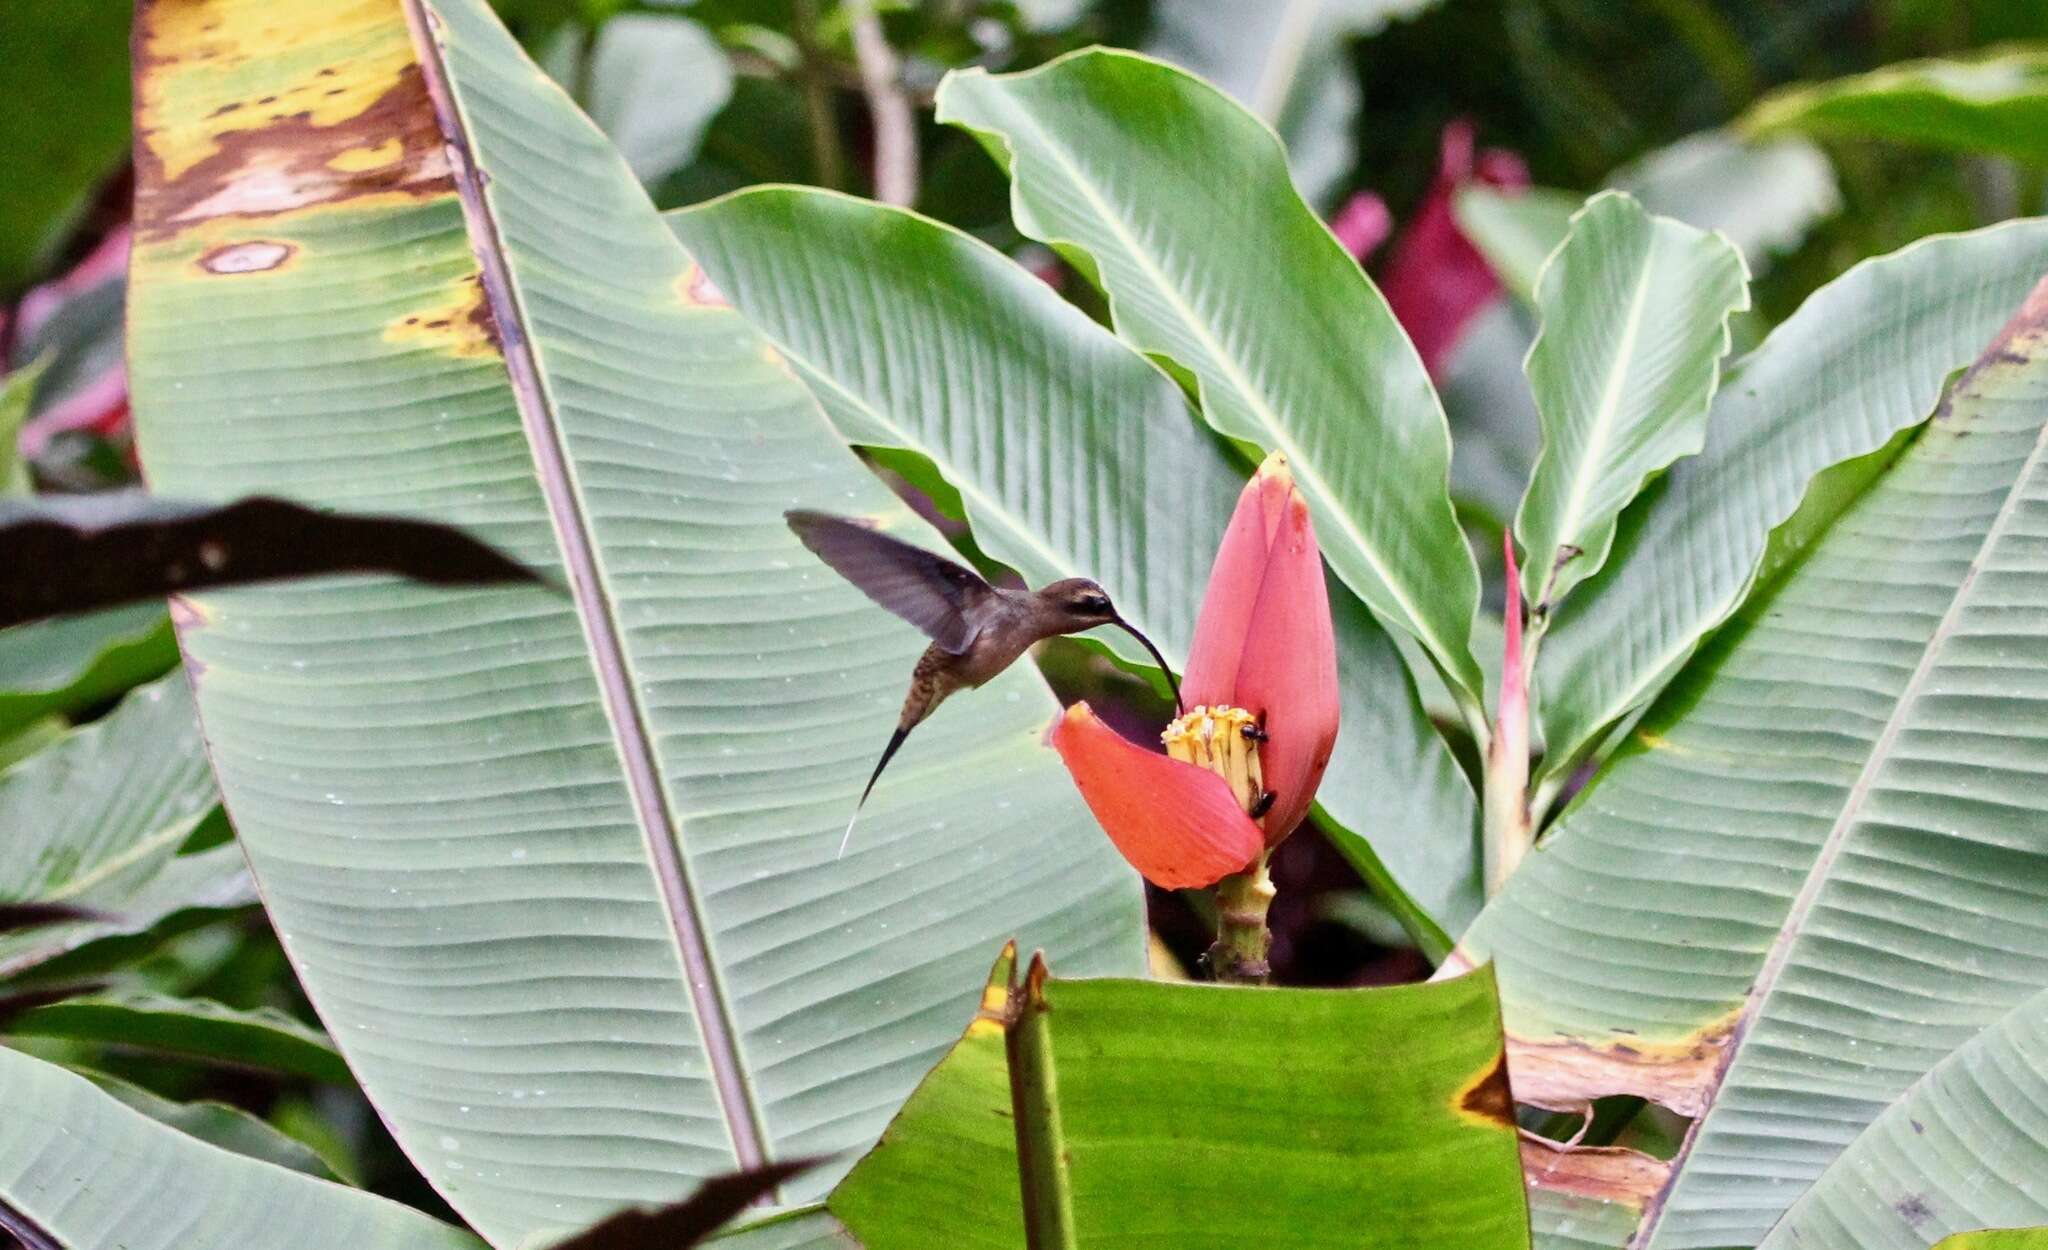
895,740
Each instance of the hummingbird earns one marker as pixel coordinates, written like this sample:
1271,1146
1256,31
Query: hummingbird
977,630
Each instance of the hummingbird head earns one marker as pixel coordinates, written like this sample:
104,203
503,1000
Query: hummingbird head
1081,604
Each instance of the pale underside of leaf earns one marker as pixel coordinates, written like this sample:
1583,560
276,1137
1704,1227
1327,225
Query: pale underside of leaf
1810,876
1862,359
1965,1148
1635,315
558,875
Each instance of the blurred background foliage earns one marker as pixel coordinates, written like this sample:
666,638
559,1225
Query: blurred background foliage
1393,111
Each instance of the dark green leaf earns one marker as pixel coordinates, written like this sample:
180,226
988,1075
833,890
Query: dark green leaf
260,1038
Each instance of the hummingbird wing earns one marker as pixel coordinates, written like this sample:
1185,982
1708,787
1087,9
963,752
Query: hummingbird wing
948,601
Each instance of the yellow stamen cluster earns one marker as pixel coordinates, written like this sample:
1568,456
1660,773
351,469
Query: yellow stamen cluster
1214,738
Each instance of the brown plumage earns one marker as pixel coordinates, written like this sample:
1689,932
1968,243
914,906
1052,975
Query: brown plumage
977,630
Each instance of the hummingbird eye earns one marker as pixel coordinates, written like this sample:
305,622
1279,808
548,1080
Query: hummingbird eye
1093,605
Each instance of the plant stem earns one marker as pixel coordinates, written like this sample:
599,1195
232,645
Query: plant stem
889,109
1508,832
1242,939
813,78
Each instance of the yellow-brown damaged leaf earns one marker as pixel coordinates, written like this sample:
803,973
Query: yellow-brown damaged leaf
993,1016
1565,1073
1486,1100
363,159
697,290
251,108
461,325
1602,1173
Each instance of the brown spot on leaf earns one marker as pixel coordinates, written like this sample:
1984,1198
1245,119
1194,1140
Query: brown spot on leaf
197,160
1913,1209
1565,1073
461,326
697,289
1487,1097
1601,1173
256,256
2021,338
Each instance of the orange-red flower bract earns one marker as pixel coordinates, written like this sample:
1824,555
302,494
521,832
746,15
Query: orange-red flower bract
1179,825
1264,643
1260,715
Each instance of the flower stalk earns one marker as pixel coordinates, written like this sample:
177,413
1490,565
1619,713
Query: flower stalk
1242,939
1243,761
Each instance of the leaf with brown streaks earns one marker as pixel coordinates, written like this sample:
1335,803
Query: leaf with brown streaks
1818,870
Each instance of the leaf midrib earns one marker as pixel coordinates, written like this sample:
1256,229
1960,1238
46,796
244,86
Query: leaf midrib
1817,878
1240,382
555,470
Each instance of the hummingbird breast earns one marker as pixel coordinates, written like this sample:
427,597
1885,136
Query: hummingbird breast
939,672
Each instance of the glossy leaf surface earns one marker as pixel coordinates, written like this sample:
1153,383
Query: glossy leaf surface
558,872
1143,170
1634,313
1072,456
1285,1139
1865,357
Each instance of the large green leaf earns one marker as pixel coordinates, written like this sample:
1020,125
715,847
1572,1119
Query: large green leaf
1178,200
1862,359
262,1038
96,820
1278,1128
1965,1148
1997,104
66,664
1764,197
1072,456
1635,315
1816,868
91,1172
950,1155
559,875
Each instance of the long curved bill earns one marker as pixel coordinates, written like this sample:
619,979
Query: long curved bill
1157,658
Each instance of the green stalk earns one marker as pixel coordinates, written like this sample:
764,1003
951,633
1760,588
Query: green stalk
1035,1110
1242,938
